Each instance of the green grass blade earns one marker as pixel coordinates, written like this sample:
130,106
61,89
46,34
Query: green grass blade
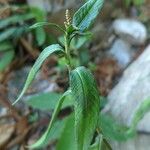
45,53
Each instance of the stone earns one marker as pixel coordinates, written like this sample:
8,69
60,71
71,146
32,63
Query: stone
131,30
122,52
38,85
132,89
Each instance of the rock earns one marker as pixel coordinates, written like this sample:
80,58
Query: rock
140,142
131,91
122,52
39,84
131,30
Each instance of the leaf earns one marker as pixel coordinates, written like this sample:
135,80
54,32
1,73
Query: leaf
6,59
139,114
86,15
41,24
44,54
41,141
40,36
14,20
49,101
98,143
113,130
7,34
87,104
5,46
67,138
38,13
56,131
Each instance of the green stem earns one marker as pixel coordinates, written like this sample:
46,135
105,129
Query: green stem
67,51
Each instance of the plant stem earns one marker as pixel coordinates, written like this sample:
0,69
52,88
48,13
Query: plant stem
67,51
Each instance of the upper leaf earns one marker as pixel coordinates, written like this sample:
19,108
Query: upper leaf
85,16
87,104
44,54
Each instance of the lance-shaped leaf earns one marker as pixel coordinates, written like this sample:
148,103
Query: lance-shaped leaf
87,105
41,24
42,140
44,54
86,15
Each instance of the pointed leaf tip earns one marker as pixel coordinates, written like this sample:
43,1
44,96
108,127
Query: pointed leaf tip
42,57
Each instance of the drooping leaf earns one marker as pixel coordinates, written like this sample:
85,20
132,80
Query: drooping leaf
44,54
6,59
67,138
47,101
56,132
41,24
87,104
86,15
42,140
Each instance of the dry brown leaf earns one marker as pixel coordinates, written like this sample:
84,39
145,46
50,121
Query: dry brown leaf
6,131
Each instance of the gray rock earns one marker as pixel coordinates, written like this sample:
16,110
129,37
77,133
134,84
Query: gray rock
131,91
140,142
39,84
131,30
122,52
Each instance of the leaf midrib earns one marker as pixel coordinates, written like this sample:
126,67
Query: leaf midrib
87,13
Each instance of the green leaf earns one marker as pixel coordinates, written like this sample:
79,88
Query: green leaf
67,138
113,130
5,46
86,15
15,19
40,36
44,54
44,137
7,34
139,114
87,105
38,13
48,101
41,24
100,144
56,132
6,59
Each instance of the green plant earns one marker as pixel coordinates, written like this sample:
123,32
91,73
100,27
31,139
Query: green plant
83,89
135,2
14,26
